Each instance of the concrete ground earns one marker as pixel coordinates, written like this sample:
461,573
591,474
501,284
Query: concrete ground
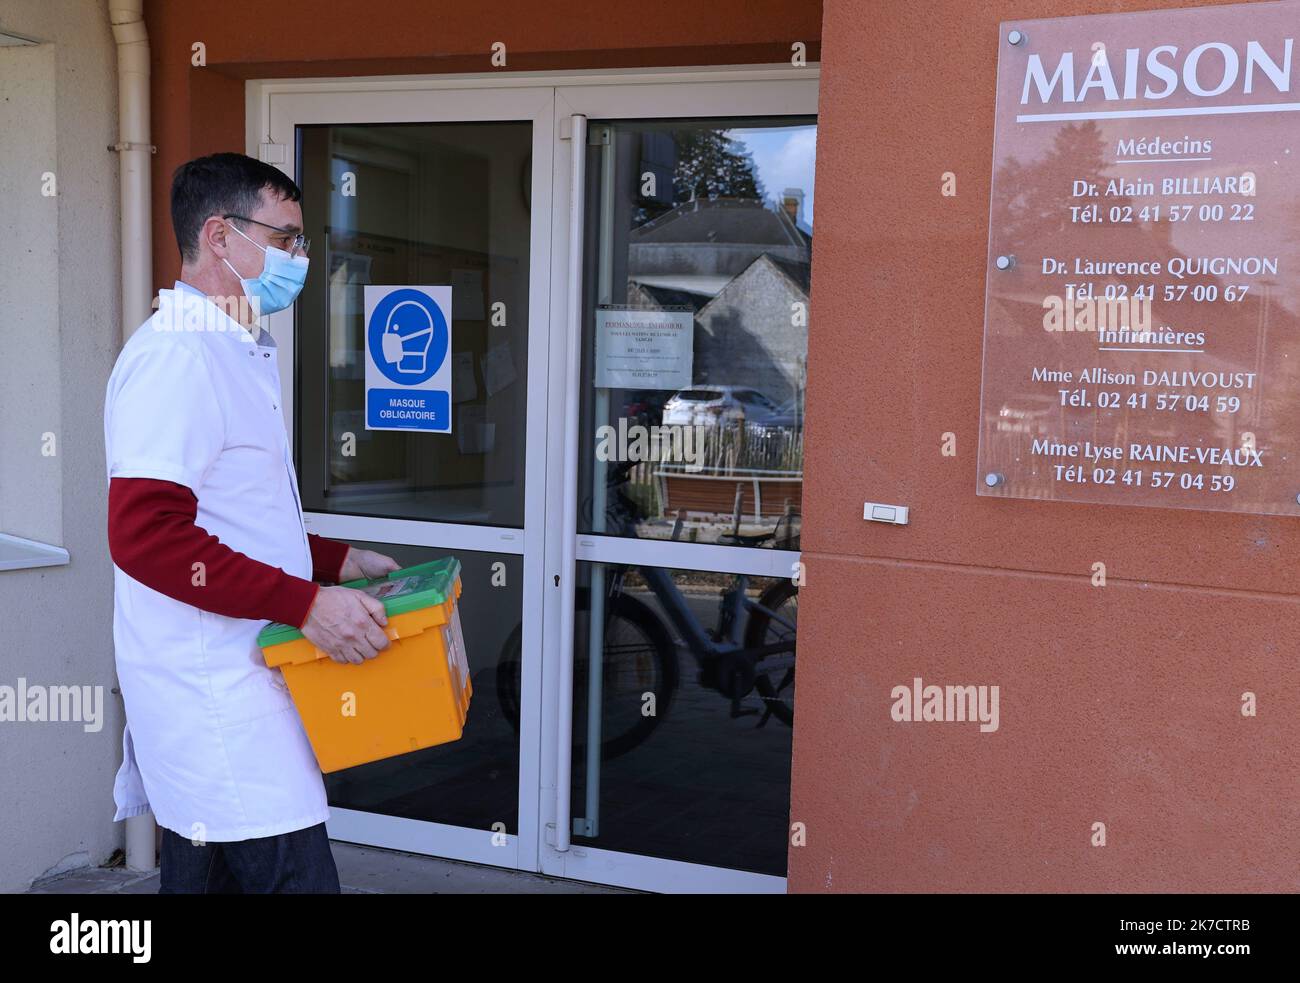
362,870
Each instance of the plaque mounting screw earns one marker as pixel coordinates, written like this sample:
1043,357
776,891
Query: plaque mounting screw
1005,262
1016,37
993,479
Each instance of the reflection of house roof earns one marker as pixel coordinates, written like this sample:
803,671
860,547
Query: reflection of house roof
782,269
700,246
698,286
800,273
722,220
663,297
696,292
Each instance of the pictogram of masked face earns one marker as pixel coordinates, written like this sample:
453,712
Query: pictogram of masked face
407,337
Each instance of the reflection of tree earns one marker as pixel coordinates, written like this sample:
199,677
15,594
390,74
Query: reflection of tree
712,164
1040,192
706,164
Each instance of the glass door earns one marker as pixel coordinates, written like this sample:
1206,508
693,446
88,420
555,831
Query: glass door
415,188
690,212
629,262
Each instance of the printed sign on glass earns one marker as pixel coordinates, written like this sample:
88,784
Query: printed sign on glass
408,363
644,349
1142,310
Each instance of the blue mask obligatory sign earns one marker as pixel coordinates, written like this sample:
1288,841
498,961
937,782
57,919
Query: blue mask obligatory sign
408,368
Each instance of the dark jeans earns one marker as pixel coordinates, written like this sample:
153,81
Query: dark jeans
290,863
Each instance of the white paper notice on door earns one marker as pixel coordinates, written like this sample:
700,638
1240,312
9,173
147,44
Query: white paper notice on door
644,349
463,386
474,435
467,293
498,368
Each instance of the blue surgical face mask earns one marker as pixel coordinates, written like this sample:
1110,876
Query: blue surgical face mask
279,283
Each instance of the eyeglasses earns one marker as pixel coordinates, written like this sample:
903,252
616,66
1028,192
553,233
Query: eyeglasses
299,245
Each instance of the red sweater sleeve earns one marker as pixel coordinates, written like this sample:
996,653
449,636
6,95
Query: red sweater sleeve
327,556
153,537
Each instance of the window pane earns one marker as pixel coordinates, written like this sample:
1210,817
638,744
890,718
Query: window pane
695,734
416,205
697,273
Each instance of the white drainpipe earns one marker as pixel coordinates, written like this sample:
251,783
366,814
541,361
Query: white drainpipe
134,155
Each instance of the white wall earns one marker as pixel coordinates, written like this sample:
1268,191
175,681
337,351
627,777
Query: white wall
59,335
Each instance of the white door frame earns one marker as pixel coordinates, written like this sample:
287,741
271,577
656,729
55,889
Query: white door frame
549,100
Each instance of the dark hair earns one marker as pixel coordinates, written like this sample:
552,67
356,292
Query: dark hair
221,184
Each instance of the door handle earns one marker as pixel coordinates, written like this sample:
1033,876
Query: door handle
577,135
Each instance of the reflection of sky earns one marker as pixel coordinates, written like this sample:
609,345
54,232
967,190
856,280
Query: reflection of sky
784,157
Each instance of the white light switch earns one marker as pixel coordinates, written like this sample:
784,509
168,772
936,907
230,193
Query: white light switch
878,512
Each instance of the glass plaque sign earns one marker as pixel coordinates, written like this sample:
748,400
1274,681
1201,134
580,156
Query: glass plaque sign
1142,310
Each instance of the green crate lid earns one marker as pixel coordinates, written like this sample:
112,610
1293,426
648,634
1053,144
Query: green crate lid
423,586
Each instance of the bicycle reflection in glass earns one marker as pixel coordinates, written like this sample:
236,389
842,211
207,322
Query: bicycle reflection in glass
750,650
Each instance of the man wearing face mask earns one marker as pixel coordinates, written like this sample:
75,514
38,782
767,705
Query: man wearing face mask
208,544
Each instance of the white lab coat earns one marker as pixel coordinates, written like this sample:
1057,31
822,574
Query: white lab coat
213,743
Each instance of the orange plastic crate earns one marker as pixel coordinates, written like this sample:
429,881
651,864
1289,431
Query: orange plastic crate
413,695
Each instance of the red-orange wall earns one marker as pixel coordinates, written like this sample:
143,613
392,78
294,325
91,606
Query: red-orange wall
1119,705
201,110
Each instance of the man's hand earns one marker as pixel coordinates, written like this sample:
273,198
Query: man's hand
346,624
366,563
